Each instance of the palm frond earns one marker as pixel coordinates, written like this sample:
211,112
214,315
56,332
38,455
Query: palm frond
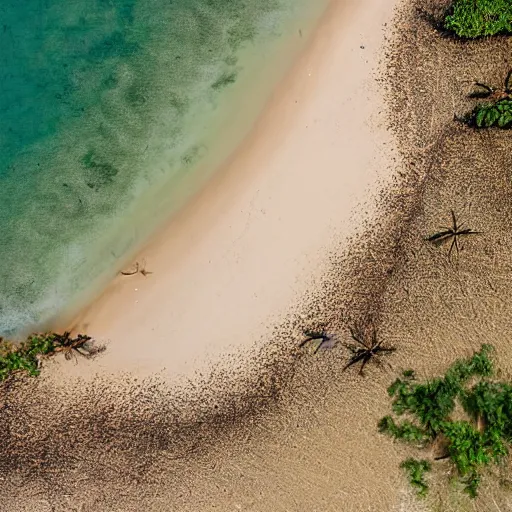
452,233
488,89
355,359
454,221
370,347
440,237
314,335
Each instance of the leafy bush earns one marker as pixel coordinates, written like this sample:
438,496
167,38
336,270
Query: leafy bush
406,431
416,470
498,114
492,403
26,356
469,449
433,401
476,18
497,110
472,444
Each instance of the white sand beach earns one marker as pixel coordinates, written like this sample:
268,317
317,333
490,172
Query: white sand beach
250,245
234,415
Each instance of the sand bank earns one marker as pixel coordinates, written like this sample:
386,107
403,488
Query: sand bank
241,257
119,444
252,243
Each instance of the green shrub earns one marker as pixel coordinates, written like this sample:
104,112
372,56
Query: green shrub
434,400
416,470
467,446
26,356
472,444
498,114
497,110
492,403
406,431
476,18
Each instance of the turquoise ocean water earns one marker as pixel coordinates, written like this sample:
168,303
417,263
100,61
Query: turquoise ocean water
105,107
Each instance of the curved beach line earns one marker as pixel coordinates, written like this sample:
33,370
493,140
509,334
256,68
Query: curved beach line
244,251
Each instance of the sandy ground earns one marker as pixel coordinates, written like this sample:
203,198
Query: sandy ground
288,430
239,257
197,351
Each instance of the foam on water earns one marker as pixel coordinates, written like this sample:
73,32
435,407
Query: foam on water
104,105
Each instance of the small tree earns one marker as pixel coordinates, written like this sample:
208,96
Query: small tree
471,444
469,19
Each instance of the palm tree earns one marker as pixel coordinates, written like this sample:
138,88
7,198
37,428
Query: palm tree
366,348
451,233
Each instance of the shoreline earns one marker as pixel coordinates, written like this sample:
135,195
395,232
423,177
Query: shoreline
213,257
225,430
245,250
143,221
161,147
294,431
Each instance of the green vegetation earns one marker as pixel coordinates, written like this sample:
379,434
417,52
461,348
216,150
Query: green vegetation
416,470
497,114
26,357
497,110
472,443
453,233
477,18
406,430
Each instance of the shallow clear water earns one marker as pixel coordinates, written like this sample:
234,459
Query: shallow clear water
104,103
